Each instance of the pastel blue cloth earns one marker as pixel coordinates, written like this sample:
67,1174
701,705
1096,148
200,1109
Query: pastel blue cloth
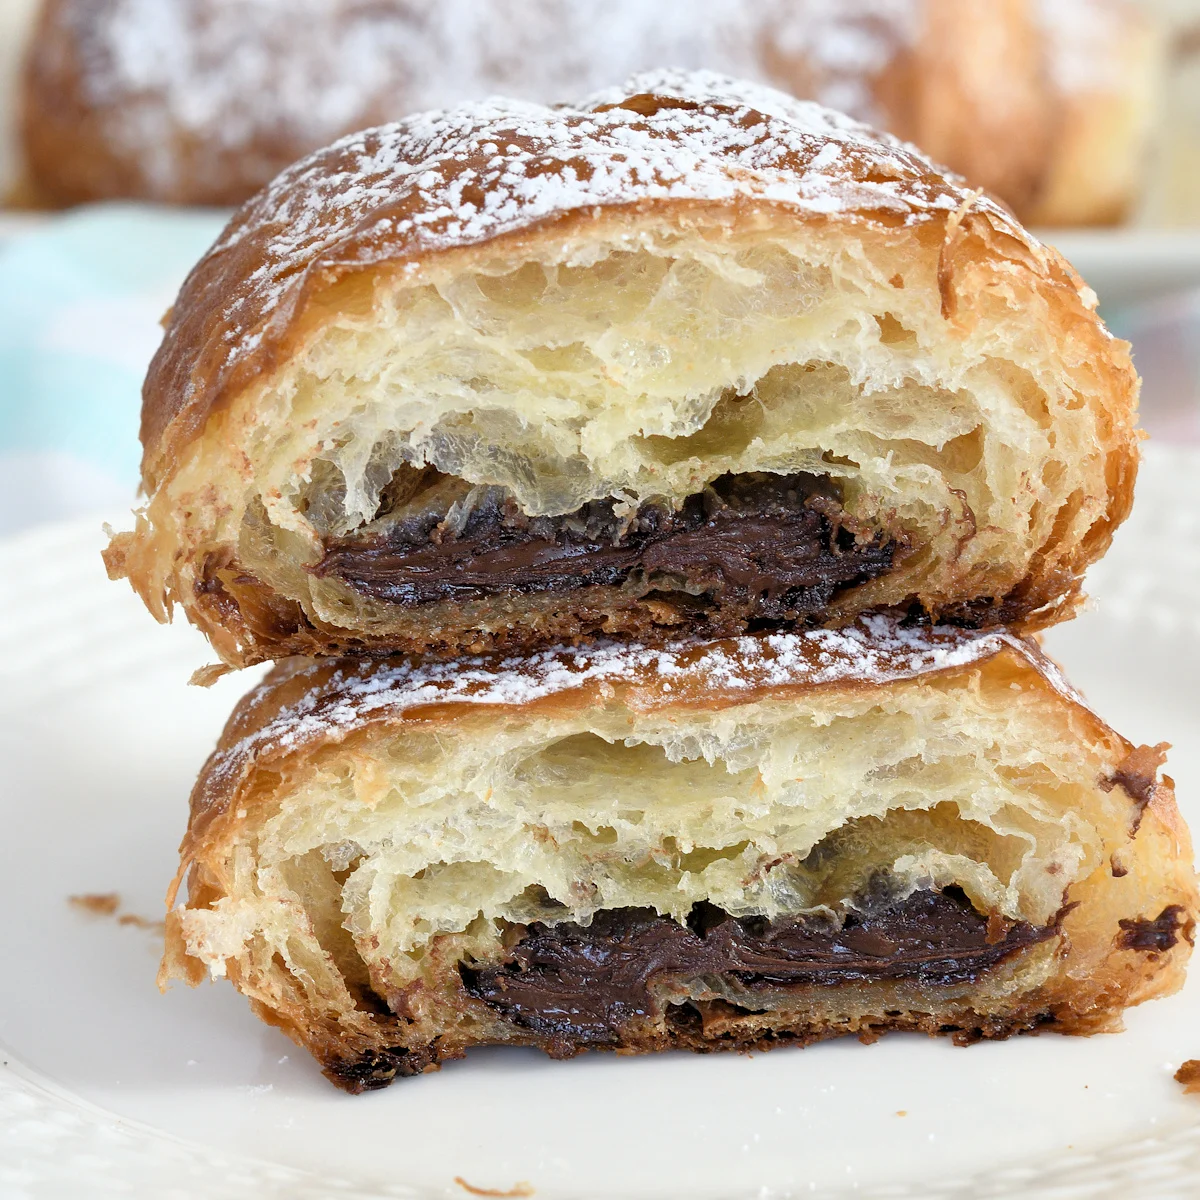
80,302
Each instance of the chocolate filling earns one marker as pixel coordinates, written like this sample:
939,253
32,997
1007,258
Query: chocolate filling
1137,774
778,546
588,983
1156,936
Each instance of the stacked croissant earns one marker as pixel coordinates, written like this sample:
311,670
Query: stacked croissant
649,505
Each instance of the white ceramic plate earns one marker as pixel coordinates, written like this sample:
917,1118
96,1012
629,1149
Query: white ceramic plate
109,1088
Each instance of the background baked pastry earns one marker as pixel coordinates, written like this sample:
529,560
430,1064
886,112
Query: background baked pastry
691,352
1046,102
710,846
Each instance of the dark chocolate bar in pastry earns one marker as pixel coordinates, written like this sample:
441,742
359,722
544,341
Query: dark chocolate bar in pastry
713,846
691,354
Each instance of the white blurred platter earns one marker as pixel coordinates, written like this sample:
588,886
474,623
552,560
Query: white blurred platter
1126,266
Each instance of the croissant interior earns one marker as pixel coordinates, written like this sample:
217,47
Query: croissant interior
384,858
635,364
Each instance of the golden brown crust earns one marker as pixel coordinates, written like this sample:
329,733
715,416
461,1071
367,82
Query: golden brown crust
1097,973
975,72
1189,1076
363,1064
702,1027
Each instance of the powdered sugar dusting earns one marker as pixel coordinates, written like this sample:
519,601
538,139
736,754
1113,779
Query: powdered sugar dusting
203,101
455,178
876,650
447,179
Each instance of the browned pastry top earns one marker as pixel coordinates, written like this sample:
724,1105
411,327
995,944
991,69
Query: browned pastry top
391,197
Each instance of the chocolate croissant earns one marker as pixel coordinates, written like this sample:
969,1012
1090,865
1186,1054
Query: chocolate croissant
203,101
711,846
692,353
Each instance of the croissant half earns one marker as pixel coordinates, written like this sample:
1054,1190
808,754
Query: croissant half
691,353
713,846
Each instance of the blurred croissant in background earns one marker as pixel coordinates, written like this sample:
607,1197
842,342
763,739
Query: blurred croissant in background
1048,104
